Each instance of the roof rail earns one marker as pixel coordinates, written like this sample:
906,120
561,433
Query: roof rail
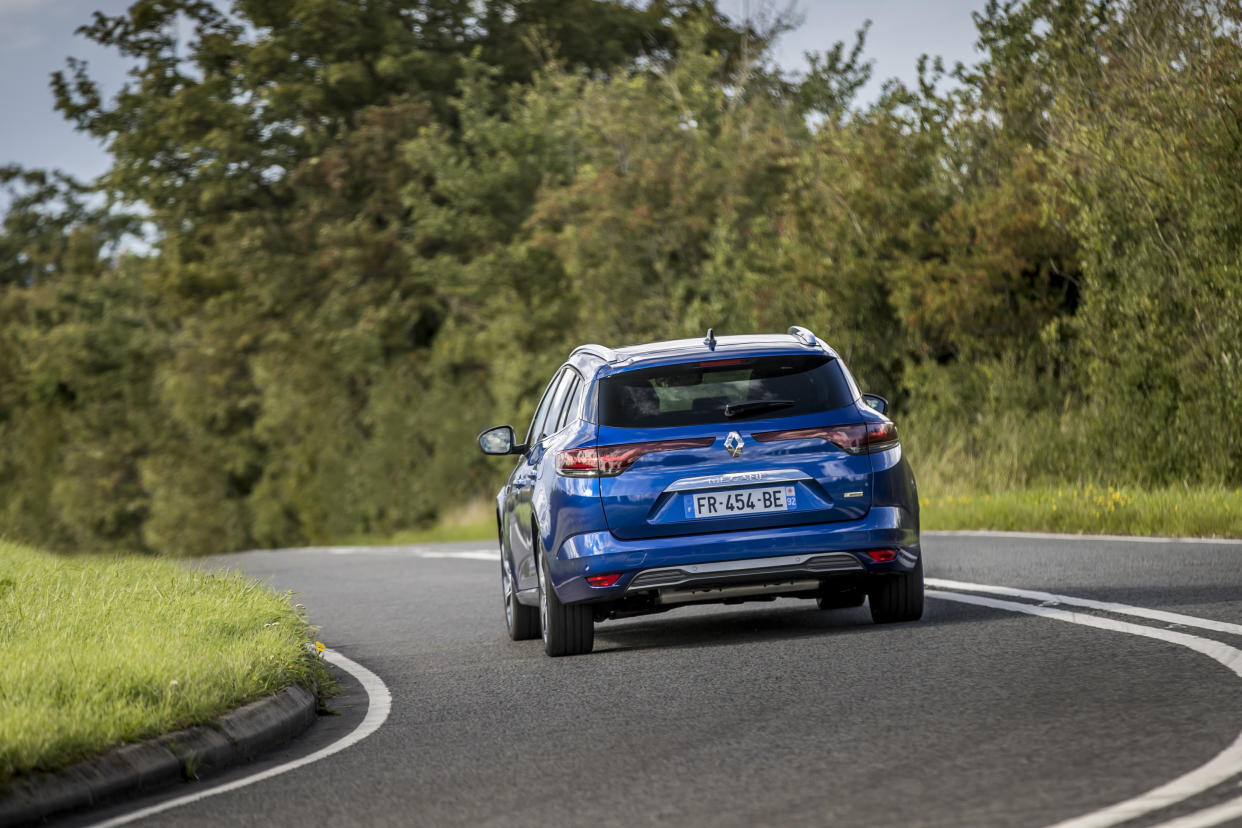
803,335
606,354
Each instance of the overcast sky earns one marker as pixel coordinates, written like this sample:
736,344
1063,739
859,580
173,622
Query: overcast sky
37,35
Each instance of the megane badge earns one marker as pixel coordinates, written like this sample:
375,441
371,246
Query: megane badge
733,444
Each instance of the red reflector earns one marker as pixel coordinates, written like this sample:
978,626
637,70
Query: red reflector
882,555
603,580
609,461
881,436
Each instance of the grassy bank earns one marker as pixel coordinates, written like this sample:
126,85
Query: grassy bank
102,650
1094,510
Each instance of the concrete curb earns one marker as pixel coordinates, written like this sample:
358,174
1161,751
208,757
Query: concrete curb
230,739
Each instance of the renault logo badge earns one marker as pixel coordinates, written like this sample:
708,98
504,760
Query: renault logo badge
733,444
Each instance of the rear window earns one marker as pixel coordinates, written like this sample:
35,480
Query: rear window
721,391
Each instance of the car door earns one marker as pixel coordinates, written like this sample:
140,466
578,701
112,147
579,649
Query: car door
522,481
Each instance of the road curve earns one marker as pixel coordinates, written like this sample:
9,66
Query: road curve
763,713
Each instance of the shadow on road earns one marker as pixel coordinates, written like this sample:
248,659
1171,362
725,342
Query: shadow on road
775,623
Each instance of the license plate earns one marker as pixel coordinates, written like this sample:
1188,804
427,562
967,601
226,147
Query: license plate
726,502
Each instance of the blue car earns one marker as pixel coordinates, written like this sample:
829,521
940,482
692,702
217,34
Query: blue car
715,470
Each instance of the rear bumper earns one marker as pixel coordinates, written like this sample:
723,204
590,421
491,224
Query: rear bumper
746,556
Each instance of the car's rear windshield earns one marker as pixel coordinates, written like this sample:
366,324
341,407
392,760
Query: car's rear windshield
724,390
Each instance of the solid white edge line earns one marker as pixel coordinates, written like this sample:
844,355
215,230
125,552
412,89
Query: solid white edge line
1208,816
1221,767
379,703
418,552
996,533
1106,606
467,555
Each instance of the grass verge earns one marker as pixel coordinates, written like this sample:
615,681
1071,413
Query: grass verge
103,650
1106,510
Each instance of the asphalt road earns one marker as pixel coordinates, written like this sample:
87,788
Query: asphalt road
761,714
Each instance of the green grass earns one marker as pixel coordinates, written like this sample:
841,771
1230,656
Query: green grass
1173,512
102,650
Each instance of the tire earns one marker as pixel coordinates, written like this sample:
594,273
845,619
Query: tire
568,629
521,621
898,597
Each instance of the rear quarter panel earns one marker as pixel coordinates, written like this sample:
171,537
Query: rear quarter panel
565,506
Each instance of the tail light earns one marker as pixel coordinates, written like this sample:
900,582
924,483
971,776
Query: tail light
609,461
856,439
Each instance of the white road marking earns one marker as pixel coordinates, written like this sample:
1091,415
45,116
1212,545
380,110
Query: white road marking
1221,767
1106,606
1209,816
992,533
379,703
1224,765
467,554
416,551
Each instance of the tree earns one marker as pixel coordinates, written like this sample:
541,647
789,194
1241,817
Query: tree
1144,140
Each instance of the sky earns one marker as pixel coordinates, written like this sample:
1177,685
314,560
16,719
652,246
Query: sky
36,36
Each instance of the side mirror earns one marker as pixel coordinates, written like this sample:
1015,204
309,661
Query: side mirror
499,440
877,402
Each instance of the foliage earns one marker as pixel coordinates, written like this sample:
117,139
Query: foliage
372,230
1152,182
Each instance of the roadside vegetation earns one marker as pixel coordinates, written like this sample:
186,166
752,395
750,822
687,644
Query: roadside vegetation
100,650
370,230
1022,481
1197,512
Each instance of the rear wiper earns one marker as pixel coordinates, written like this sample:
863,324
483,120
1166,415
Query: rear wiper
739,408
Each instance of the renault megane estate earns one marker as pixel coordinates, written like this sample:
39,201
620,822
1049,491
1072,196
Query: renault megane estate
728,469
